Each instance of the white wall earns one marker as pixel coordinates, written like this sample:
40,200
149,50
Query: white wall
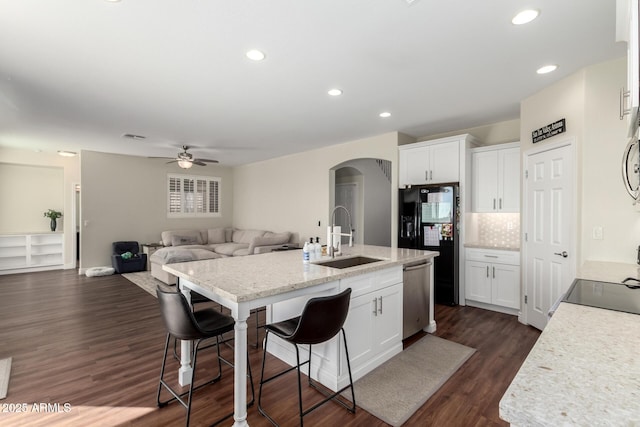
58,199
589,101
27,192
491,134
605,202
125,198
292,193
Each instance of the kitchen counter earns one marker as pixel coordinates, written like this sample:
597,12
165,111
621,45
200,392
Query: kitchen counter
583,370
489,245
257,276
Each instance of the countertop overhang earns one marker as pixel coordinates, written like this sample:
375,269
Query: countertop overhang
250,277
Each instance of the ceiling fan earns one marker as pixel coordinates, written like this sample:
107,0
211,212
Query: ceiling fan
185,160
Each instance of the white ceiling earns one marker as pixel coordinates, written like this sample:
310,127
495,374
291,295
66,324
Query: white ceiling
78,75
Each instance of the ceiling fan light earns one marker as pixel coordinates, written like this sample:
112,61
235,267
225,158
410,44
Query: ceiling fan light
185,164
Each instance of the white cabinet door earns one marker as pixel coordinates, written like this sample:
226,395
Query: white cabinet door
505,285
509,180
359,330
485,181
478,281
388,321
416,164
445,163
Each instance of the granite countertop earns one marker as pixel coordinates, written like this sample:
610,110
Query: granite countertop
584,370
492,245
250,277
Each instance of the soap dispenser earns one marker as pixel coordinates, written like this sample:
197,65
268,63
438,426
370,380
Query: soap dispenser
318,248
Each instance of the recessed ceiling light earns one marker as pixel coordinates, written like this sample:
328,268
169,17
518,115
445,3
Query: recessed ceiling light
525,17
255,55
66,153
385,114
335,92
547,69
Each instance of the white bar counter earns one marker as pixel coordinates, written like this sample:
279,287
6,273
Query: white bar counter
247,282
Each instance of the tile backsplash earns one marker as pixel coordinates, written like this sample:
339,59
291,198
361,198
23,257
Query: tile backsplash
502,229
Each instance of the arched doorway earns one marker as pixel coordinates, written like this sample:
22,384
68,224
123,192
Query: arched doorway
364,187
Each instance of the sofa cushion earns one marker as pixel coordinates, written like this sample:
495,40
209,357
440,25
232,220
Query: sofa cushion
245,236
172,255
269,239
241,252
216,235
229,248
194,237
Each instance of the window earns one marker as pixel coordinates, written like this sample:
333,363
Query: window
192,196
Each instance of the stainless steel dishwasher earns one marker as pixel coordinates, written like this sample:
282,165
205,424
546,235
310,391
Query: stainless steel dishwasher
415,297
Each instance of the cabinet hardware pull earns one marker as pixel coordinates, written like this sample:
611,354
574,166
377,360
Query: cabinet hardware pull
624,94
426,175
487,271
491,256
500,203
494,272
375,306
431,175
380,309
494,204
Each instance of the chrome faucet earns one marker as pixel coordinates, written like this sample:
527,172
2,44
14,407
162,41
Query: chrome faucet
333,234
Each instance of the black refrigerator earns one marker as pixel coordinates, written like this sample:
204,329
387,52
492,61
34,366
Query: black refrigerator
429,220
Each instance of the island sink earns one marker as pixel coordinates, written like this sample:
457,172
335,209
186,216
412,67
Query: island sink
348,262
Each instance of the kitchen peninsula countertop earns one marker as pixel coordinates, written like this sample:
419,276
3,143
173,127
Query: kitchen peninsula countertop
256,276
584,370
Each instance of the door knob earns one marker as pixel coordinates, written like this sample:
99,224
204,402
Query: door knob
563,254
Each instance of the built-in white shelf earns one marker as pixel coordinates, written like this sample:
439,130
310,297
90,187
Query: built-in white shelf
31,251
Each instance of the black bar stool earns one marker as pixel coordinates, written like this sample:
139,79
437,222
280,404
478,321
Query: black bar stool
322,318
183,324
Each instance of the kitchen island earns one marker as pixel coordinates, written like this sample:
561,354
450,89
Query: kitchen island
245,283
584,370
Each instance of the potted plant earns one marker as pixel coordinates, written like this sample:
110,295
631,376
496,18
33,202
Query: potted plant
53,215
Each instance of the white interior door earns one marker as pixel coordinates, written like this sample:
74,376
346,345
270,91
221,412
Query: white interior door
550,221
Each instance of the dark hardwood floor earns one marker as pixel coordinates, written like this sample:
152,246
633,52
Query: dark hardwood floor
96,344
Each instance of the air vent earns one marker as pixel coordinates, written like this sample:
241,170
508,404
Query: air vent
133,136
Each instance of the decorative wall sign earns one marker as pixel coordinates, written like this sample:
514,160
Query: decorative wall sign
548,131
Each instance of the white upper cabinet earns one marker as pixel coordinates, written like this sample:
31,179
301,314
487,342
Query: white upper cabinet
495,178
431,162
627,31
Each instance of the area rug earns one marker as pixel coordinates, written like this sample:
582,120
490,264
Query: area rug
397,388
146,281
5,372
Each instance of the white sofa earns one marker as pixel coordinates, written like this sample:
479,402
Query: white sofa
195,245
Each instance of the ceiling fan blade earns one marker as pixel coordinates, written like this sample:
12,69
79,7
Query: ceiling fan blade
153,157
172,161
206,160
198,162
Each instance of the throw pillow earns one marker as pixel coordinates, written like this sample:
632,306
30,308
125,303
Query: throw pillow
269,239
184,240
216,235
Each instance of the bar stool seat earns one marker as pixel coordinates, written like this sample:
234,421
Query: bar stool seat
322,319
183,324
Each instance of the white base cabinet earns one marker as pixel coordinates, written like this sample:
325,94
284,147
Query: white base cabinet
31,252
373,329
493,279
